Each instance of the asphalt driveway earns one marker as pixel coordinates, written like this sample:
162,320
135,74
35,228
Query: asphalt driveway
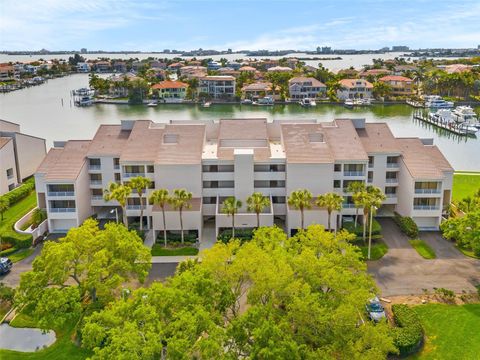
403,272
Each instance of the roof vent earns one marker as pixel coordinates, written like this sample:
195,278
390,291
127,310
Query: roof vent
59,144
170,138
315,137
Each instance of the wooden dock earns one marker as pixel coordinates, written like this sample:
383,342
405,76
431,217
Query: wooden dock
415,104
454,128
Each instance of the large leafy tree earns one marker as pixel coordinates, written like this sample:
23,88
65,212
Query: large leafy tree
119,193
180,201
464,230
161,198
85,267
256,203
231,206
270,298
332,202
301,200
140,184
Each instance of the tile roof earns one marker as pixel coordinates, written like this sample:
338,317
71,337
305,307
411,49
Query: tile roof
395,78
243,129
258,86
109,140
303,79
344,142
352,83
218,78
168,84
4,141
65,163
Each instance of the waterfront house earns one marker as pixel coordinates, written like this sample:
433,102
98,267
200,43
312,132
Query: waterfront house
170,91
403,69
279,69
214,65
217,87
247,69
190,69
120,66
258,90
175,66
83,67
228,71
348,73
354,88
103,66
234,65
373,73
217,159
400,85
155,64
455,68
120,84
306,87
7,72
20,155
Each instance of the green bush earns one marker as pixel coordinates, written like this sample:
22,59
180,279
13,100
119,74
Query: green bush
6,293
20,192
358,230
177,238
241,234
407,225
408,333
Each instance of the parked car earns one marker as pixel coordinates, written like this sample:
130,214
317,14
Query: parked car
5,265
375,310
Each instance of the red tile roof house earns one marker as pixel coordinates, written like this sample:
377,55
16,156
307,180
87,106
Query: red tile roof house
374,72
170,91
355,89
258,90
306,87
401,85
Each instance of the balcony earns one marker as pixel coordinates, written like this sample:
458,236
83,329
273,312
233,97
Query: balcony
391,180
370,166
391,195
61,193
95,182
348,206
427,191
94,167
393,165
136,207
426,207
62,210
116,167
131,175
97,197
354,173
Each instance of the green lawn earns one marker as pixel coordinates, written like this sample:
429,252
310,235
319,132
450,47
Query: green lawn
452,331
21,254
158,250
378,250
62,349
467,252
465,185
423,249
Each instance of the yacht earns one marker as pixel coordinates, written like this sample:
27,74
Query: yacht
266,101
444,116
152,104
349,102
365,102
306,102
206,104
84,101
436,102
467,128
465,114
247,102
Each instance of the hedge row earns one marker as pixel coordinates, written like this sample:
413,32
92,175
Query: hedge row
358,230
407,225
20,192
241,234
174,237
408,335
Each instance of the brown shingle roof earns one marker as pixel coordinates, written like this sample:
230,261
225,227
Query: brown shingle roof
344,142
109,140
303,79
351,83
244,129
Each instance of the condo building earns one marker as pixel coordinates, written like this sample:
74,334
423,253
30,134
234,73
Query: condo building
236,157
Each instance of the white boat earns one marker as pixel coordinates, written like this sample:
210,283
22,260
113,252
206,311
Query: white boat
306,102
349,102
469,129
83,92
247,102
84,101
152,104
364,102
206,104
436,102
465,114
265,101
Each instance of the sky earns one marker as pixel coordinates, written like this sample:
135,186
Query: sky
154,25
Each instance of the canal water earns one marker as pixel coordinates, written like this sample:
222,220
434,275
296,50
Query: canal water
47,111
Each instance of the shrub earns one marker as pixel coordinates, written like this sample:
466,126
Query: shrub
241,234
445,294
358,230
408,335
6,293
177,238
407,225
20,192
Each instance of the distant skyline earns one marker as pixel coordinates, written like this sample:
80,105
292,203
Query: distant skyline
149,25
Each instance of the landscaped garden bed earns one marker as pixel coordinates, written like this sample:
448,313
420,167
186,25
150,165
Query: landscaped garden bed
160,250
423,249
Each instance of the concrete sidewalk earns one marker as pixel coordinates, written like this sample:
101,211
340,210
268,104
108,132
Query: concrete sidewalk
170,259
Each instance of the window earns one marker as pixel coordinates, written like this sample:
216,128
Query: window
337,184
116,163
95,178
371,161
10,173
94,162
209,200
150,169
337,167
279,199
117,177
370,176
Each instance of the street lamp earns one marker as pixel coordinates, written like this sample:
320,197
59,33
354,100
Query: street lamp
372,208
116,214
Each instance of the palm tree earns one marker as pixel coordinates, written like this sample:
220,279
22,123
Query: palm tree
181,200
356,187
256,203
140,184
120,193
230,206
332,202
301,199
161,198
371,199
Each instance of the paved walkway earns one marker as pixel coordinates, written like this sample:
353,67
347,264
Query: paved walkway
403,272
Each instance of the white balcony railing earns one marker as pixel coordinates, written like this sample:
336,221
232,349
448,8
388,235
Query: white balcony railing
96,182
130,175
94,167
135,207
426,207
427,191
61,193
354,173
97,197
392,165
391,195
62,210
116,167
348,206
391,180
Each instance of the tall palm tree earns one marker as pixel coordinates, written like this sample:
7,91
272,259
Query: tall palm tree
181,200
332,202
301,199
120,193
230,206
256,203
140,184
161,198
371,199
356,187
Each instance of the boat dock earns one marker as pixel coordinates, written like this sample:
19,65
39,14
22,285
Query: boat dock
415,104
452,127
